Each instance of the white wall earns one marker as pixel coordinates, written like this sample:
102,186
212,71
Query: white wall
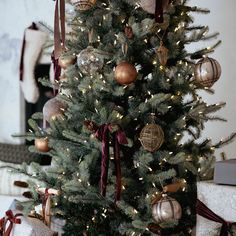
15,16
221,19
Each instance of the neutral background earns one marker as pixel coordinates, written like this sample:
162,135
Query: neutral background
15,16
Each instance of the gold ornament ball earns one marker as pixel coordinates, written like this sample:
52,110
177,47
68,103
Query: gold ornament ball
207,71
167,209
150,5
125,73
152,137
41,144
53,108
65,61
83,5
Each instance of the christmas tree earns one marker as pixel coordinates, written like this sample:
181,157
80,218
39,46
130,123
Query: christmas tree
128,95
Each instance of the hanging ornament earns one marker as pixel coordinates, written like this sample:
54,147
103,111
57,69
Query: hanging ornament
154,228
207,71
53,108
166,209
65,61
129,32
152,136
125,73
162,53
89,61
156,7
83,5
41,144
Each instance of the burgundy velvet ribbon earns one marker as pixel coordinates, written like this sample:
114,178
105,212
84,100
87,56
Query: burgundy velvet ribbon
12,219
33,27
159,11
2,221
205,212
119,137
57,71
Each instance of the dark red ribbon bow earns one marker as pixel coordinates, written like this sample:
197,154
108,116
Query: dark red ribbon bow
12,219
205,212
119,137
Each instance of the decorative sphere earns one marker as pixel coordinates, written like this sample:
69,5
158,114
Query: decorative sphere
83,5
53,108
88,61
150,5
152,137
125,73
207,71
65,61
167,209
41,144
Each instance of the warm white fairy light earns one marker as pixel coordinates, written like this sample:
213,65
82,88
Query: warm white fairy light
153,184
140,178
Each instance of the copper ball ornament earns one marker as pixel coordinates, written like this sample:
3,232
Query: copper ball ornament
150,5
125,73
151,137
65,61
41,144
83,5
53,108
207,71
167,209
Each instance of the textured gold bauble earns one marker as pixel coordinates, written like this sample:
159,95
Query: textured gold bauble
53,108
41,144
150,5
207,71
162,53
125,73
83,5
65,61
152,137
167,209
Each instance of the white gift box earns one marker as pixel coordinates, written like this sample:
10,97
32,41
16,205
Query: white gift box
221,199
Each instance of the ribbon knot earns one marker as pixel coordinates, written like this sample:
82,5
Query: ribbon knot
103,134
205,212
12,219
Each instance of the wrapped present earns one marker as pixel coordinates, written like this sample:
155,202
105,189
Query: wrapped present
216,209
225,172
16,224
57,225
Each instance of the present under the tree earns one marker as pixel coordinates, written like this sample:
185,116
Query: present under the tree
17,224
225,172
216,209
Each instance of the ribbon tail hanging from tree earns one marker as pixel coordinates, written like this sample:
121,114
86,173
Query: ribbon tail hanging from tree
159,11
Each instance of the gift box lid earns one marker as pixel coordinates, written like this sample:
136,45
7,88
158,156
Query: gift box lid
225,172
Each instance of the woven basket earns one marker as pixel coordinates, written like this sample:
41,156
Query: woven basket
14,153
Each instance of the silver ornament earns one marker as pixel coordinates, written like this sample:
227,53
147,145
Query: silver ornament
166,209
53,108
150,5
89,61
207,71
83,5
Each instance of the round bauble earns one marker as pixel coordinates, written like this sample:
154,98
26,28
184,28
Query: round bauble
167,209
53,108
89,61
41,144
150,5
151,137
125,73
83,5
65,61
207,71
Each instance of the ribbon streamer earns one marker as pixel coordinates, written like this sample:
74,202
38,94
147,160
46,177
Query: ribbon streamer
33,27
159,11
205,212
12,219
119,137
